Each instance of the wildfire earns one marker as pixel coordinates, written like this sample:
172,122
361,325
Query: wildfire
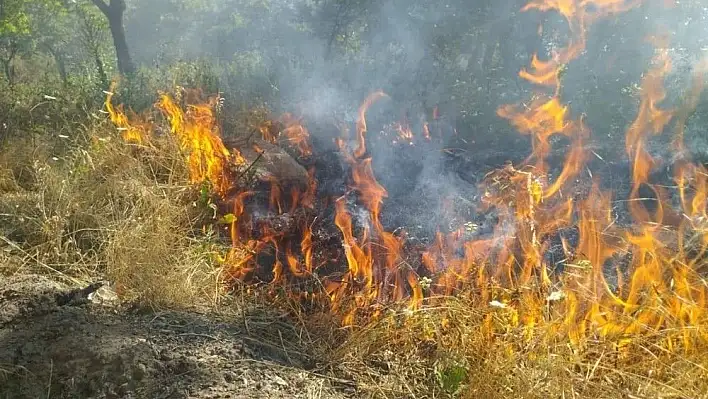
198,135
618,282
133,132
292,129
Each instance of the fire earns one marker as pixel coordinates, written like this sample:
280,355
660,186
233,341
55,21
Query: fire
654,276
292,128
361,122
616,283
135,132
198,135
543,119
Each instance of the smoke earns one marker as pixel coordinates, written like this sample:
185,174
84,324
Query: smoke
322,58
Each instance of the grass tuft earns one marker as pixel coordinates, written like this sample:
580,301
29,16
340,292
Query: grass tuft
102,208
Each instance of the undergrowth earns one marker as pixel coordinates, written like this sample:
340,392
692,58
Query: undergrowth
444,350
92,206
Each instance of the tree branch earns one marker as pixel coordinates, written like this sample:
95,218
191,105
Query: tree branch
118,4
102,6
336,27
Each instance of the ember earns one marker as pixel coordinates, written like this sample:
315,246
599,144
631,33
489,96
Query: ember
537,245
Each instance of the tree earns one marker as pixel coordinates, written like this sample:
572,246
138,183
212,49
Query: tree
92,36
113,11
14,31
27,26
52,27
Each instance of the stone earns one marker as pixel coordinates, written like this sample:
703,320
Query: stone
269,162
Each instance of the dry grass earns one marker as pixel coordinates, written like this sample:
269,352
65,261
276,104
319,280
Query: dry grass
102,208
446,350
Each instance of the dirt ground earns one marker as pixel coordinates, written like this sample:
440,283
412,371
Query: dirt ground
54,345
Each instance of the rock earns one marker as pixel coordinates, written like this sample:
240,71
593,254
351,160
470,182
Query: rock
270,162
140,371
104,295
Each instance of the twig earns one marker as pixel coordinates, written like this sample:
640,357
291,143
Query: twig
282,343
51,373
251,165
39,262
198,335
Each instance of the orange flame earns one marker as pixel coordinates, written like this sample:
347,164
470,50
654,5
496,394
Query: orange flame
133,132
361,121
198,135
649,119
292,128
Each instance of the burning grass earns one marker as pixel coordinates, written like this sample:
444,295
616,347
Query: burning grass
445,349
491,320
481,323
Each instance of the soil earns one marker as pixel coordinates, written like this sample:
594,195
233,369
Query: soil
58,343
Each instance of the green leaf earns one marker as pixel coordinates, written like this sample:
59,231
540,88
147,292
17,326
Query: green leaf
451,376
227,219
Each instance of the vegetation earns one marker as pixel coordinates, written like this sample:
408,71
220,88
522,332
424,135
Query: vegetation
78,202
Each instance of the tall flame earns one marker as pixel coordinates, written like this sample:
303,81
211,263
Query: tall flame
198,135
135,131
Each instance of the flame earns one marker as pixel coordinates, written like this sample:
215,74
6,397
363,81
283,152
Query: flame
405,133
132,132
541,120
376,269
426,131
618,282
650,119
580,15
361,121
657,281
198,135
292,128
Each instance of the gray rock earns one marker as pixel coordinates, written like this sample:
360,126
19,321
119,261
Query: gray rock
270,162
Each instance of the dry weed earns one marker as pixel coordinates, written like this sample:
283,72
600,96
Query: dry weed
106,208
447,350
19,159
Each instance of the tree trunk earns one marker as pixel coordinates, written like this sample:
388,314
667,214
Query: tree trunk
61,66
8,68
60,61
125,63
114,13
101,70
